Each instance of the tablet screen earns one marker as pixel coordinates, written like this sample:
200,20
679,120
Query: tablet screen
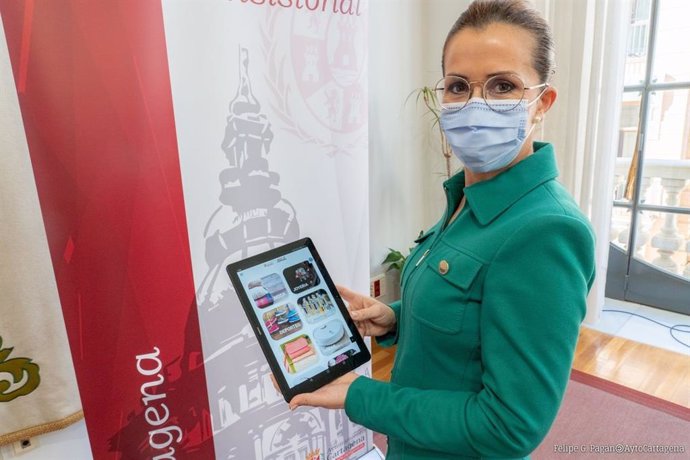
294,304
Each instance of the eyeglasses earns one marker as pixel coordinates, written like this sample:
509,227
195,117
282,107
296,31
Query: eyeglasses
501,92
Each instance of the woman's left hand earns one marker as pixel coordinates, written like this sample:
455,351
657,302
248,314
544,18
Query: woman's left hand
330,396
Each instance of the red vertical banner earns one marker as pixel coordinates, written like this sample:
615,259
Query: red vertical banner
94,92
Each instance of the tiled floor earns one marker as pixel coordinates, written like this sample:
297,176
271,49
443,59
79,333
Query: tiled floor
643,330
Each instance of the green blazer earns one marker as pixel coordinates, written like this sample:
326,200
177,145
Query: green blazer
489,317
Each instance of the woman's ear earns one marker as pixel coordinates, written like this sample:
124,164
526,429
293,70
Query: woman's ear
546,101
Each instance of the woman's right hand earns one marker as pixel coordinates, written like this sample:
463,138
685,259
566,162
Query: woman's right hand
371,317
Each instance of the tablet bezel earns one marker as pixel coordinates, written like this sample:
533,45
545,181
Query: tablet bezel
328,374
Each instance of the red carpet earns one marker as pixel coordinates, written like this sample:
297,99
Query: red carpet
599,417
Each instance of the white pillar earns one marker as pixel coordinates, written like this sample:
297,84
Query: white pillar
669,240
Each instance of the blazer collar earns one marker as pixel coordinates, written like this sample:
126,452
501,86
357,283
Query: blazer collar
488,199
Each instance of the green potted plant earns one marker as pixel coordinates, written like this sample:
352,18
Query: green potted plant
394,259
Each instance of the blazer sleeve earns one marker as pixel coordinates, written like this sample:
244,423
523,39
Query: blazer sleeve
534,300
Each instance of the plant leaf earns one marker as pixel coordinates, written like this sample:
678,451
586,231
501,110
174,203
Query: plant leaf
393,256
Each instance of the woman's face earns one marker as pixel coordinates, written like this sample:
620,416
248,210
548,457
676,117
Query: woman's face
477,54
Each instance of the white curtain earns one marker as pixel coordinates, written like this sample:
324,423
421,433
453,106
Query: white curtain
583,125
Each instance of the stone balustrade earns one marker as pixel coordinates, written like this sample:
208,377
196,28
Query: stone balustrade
663,239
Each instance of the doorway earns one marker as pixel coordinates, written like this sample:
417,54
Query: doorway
649,258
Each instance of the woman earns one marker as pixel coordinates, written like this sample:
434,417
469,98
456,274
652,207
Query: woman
493,295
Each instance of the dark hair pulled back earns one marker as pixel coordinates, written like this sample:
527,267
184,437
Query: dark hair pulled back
518,13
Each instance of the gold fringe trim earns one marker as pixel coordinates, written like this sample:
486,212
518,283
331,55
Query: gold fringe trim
41,429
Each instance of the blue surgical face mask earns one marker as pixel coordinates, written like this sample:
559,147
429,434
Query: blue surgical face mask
483,139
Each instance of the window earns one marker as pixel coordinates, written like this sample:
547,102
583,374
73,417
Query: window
656,105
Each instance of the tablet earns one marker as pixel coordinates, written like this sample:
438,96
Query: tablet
298,317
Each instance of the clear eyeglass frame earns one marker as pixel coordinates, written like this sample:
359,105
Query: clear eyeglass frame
496,91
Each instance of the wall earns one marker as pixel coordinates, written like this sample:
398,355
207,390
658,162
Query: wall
396,157
406,165
438,22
